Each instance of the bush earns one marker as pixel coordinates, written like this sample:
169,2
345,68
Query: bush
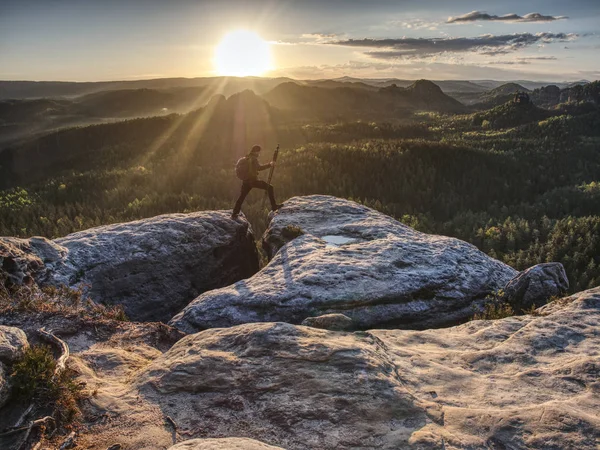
34,379
496,307
494,310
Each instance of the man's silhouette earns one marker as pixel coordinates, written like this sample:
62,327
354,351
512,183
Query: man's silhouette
252,181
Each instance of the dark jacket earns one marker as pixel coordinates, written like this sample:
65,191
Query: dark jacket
254,166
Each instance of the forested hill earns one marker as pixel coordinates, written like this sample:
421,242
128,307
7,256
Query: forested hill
342,103
522,187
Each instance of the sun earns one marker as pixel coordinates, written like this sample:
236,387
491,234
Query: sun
242,53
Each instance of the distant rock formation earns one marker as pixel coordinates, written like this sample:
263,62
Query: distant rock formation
354,261
153,267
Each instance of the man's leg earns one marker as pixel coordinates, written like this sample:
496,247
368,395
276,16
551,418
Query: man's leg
246,187
269,188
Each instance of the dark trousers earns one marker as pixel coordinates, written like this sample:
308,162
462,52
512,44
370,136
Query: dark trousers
247,186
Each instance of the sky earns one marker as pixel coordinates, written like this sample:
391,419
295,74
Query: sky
87,40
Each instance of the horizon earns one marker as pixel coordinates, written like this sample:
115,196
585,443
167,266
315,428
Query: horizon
340,79
69,41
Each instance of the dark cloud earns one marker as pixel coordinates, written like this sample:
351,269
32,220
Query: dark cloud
422,47
474,16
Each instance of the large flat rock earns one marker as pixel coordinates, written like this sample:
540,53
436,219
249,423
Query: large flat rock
153,267
296,387
354,261
517,383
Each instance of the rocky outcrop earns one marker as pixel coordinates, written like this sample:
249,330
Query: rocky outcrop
13,342
520,382
297,387
153,267
333,322
352,260
535,286
223,444
23,261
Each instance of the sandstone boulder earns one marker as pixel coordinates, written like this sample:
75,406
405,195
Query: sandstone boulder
13,342
521,382
355,261
297,387
223,444
153,267
534,286
333,322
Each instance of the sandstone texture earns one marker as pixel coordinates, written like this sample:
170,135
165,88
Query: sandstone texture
223,444
303,387
354,261
23,261
333,322
535,286
527,382
153,267
516,383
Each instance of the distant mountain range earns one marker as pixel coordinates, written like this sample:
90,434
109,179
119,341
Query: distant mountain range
63,105
230,85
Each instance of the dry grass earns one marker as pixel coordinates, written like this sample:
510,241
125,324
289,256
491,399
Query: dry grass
61,300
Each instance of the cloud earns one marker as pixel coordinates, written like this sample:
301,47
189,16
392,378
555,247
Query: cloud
413,70
475,16
488,44
523,61
320,37
414,24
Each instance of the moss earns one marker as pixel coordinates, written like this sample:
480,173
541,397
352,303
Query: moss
292,232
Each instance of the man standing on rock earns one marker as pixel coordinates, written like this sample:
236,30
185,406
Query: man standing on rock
247,170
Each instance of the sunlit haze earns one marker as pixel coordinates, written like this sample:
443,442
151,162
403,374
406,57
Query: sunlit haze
242,53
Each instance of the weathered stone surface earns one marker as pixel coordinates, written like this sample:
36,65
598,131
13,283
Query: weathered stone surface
153,267
23,261
535,286
524,382
297,387
223,444
13,343
333,322
354,261
520,383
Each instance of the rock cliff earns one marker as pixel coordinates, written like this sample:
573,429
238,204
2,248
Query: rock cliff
153,267
331,255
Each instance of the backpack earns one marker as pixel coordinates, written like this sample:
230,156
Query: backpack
242,168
